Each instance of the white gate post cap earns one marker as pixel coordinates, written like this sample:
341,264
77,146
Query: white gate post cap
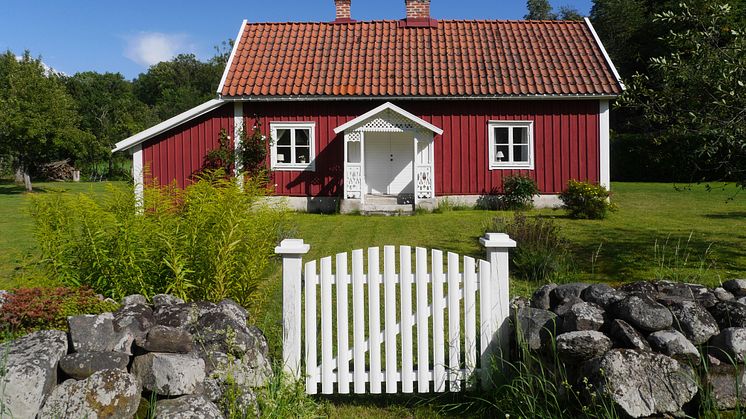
497,240
292,247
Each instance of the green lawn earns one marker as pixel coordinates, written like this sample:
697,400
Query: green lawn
700,235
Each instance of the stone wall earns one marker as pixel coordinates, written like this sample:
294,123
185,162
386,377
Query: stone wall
650,346
182,355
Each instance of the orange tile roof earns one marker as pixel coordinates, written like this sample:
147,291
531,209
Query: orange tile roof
388,58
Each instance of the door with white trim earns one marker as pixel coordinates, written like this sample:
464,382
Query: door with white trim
388,163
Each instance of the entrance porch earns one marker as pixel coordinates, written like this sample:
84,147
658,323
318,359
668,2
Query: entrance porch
388,161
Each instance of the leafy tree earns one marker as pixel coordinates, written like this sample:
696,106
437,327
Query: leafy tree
109,111
539,10
253,149
38,120
569,13
693,97
178,85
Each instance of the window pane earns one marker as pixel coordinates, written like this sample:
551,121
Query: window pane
502,153
283,138
520,135
302,154
501,135
283,155
301,137
520,153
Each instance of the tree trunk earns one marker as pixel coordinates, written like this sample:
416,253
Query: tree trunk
19,176
27,182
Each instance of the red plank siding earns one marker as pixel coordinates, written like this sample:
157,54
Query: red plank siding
565,143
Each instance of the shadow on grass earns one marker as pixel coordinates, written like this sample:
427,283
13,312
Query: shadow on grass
727,215
8,187
454,405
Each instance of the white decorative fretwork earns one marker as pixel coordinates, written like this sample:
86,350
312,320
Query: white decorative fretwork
388,121
353,182
353,136
424,182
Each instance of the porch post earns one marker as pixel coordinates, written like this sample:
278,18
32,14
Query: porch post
415,134
497,246
292,251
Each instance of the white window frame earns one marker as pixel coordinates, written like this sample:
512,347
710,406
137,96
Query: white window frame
509,164
292,126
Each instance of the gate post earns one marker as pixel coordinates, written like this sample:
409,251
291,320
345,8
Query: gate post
497,246
292,251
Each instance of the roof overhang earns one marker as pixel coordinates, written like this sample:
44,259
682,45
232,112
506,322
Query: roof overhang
391,107
606,54
166,125
288,98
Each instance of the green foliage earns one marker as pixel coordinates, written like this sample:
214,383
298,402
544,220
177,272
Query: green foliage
692,95
172,87
586,201
209,241
253,149
223,157
447,205
284,397
675,260
26,310
539,10
38,121
518,193
542,253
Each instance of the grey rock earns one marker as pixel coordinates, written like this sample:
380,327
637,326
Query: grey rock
93,333
583,316
626,336
564,307
134,299
181,315
639,288
642,383
518,302
234,310
187,407
167,339
169,374
674,344
602,294
582,345
694,321
540,298
729,345
728,385
134,319
110,394
81,365
30,371
535,327
729,314
565,292
707,299
668,289
212,389
723,295
643,313
166,300
737,287
219,332
741,300
251,370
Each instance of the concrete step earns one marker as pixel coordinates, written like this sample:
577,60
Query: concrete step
386,205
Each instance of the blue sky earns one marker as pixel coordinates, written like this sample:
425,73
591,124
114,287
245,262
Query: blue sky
128,36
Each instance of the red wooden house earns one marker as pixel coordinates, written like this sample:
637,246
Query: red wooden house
415,110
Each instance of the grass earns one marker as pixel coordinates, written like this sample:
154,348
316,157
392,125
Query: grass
658,231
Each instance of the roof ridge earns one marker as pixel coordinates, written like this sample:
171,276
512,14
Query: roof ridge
358,22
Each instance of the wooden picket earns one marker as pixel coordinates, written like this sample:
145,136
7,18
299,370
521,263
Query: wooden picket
414,334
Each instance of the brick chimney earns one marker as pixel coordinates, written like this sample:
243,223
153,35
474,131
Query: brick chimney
418,9
343,11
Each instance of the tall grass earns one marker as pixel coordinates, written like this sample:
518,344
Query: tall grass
677,261
208,241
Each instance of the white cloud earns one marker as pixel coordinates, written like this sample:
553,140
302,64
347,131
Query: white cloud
149,48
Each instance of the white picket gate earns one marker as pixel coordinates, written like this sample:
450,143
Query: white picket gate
318,294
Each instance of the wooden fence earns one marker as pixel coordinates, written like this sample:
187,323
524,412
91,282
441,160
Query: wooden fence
437,325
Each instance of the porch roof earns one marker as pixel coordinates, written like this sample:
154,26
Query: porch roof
383,108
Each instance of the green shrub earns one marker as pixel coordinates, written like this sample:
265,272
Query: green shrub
209,241
518,193
586,201
26,310
541,253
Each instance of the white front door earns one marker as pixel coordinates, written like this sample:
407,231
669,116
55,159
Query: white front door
388,163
